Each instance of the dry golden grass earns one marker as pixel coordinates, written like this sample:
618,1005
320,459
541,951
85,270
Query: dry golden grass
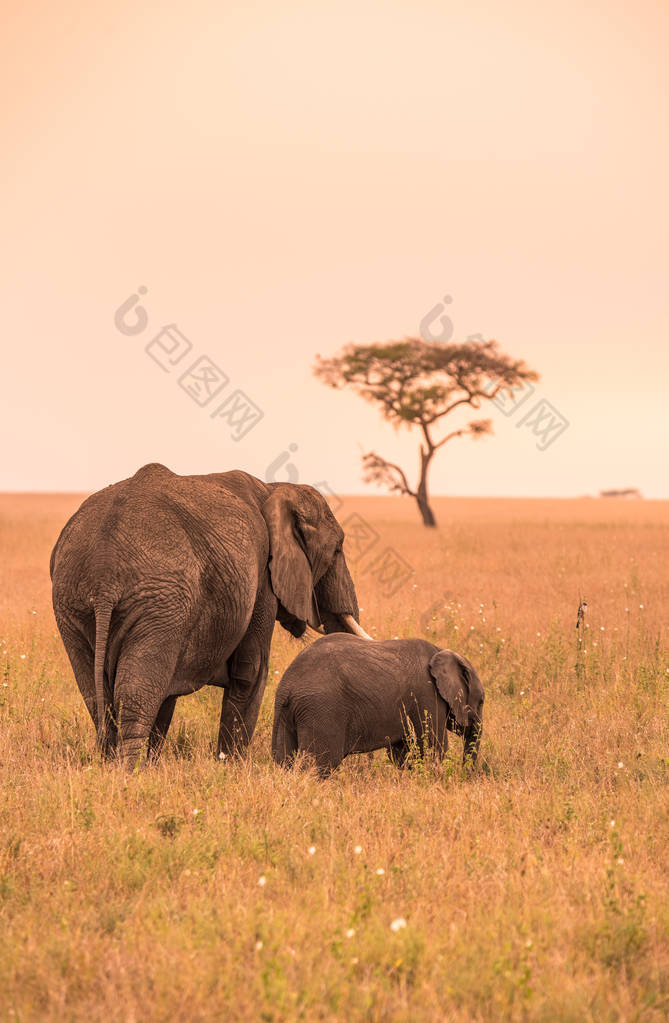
536,889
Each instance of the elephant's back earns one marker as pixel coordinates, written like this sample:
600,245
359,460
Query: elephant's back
340,649
339,658
158,530
360,671
220,524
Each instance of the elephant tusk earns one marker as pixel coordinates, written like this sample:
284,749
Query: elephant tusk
320,630
352,626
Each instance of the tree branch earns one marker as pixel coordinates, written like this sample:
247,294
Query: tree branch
378,470
450,436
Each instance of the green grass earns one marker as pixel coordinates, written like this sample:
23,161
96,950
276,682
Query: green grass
536,887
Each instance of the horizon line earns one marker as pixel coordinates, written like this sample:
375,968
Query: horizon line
395,497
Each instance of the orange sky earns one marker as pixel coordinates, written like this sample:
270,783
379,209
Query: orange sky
284,179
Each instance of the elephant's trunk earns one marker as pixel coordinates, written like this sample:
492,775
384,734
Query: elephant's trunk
472,741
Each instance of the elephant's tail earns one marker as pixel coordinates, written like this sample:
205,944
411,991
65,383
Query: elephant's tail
103,613
284,737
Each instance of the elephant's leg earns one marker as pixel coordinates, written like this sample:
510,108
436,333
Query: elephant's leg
81,658
441,743
429,727
327,759
247,672
143,674
161,727
398,752
321,736
284,738
439,732
239,715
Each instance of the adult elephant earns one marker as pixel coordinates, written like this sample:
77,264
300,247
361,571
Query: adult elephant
164,583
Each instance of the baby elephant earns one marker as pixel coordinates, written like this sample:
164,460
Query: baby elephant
347,695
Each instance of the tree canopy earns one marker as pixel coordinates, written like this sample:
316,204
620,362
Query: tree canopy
416,383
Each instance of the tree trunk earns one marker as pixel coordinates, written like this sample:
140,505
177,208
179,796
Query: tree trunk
426,512
421,494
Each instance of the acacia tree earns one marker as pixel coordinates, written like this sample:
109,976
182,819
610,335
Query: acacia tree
417,383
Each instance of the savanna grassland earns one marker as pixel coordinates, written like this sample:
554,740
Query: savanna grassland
535,888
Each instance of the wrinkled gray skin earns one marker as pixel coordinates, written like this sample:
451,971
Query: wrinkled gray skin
163,584
346,695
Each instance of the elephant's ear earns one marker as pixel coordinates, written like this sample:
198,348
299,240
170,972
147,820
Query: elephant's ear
289,568
451,676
